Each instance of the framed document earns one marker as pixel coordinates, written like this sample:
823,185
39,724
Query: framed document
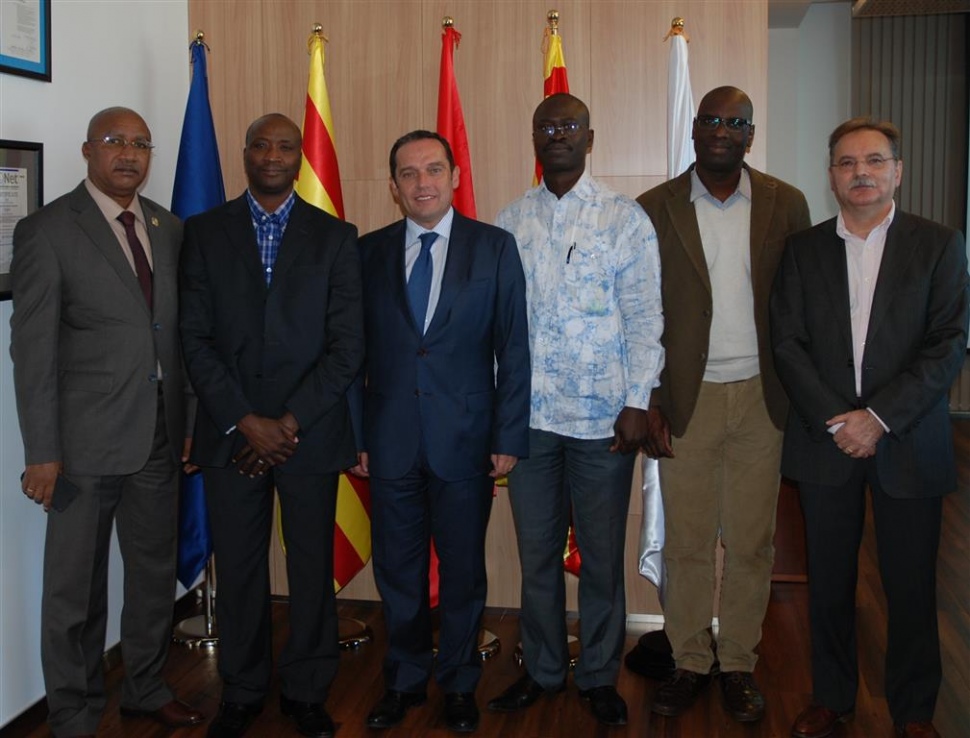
25,38
21,193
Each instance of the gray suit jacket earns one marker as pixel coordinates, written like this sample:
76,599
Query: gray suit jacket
84,343
777,209
915,345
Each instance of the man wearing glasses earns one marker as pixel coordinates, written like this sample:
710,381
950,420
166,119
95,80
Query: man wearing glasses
721,227
869,328
94,340
593,293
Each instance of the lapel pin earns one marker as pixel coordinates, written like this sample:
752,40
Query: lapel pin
154,221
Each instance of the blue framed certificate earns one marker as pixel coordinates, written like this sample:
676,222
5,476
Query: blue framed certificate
25,38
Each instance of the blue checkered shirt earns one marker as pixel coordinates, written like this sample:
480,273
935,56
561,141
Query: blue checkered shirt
269,229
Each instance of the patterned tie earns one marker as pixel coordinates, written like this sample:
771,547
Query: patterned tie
419,284
142,269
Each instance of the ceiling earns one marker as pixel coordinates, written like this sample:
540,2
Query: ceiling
789,13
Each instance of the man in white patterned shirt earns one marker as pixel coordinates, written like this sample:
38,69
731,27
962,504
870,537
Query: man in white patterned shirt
593,291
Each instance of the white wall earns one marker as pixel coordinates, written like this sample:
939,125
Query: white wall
808,96
104,53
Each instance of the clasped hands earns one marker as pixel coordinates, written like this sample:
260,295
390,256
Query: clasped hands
859,434
269,442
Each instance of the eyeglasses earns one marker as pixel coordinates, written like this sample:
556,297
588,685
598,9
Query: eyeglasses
568,128
712,122
118,143
875,162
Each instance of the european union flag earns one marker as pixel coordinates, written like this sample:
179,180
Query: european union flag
198,187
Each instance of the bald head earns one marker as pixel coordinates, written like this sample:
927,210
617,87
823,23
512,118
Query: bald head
728,96
102,119
279,120
562,104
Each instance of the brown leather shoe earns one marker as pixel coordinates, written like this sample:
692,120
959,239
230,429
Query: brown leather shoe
816,721
174,714
742,699
917,730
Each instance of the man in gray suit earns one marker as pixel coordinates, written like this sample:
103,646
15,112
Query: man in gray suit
94,340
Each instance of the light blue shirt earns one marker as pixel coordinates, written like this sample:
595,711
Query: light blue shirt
592,272
439,255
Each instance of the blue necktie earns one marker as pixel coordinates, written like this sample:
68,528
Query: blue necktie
419,283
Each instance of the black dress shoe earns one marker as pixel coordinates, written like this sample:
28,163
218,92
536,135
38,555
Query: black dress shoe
678,692
461,712
608,707
742,699
520,694
233,720
391,709
311,717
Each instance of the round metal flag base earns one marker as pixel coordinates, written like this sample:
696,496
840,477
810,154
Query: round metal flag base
192,632
353,633
572,644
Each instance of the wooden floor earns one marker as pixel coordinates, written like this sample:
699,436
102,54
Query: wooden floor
783,670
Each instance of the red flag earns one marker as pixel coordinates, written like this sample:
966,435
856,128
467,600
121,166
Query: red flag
451,120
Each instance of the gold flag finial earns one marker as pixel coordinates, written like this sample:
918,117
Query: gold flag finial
447,22
677,29
552,17
199,37
317,33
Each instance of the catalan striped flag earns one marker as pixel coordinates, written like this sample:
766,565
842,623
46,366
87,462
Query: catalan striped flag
319,180
319,184
451,120
554,75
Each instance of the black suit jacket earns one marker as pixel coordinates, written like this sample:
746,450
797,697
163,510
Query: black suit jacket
915,346
463,388
295,344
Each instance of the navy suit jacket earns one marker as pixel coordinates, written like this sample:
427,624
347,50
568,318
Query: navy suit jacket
462,390
915,346
295,344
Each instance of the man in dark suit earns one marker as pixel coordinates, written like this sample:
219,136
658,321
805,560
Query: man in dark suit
869,329
445,412
721,227
273,336
94,340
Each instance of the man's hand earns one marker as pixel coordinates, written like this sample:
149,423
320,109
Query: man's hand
273,441
250,463
859,433
657,444
629,430
39,480
186,452
362,468
502,464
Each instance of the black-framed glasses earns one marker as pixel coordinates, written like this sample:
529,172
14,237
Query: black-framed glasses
119,143
569,128
713,122
875,162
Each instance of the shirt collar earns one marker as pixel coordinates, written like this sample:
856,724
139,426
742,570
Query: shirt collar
585,189
442,227
698,190
845,234
282,213
109,207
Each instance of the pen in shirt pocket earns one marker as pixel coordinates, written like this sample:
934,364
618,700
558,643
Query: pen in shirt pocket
569,253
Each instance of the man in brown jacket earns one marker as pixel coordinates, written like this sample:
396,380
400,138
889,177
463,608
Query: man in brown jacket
721,227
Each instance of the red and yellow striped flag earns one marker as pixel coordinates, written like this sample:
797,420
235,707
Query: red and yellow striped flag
554,75
319,184
319,180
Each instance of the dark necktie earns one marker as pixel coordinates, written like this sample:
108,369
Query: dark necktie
419,283
142,269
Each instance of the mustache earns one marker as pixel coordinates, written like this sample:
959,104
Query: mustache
862,181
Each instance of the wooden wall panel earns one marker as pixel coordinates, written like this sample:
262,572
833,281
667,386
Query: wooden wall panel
382,77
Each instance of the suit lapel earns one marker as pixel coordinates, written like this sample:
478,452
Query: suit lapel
763,193
456,271
242,237
295,239
832,251
395,275
684,219
93,223
893,269
163,263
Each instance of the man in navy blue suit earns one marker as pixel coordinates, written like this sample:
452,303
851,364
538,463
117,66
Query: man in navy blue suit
443,410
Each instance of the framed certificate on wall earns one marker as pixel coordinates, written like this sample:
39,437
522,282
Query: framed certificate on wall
25,38
21,193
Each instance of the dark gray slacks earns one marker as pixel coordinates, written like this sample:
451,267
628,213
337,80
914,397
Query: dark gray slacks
564,474
74,609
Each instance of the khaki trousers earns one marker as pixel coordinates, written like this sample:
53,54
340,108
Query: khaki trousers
723,480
